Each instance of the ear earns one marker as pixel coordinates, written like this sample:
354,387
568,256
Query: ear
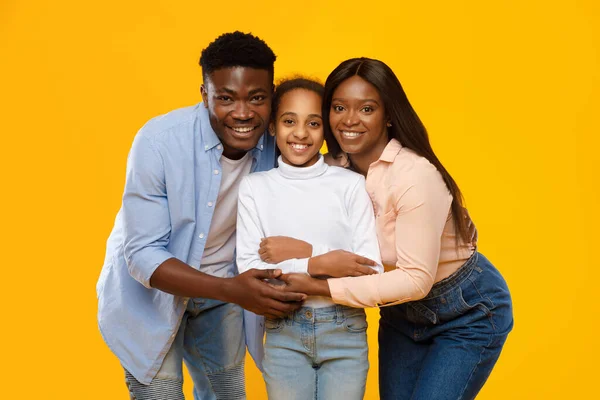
388,121
271,129
204,95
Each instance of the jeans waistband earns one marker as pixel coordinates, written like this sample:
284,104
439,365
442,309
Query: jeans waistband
455,279
324,314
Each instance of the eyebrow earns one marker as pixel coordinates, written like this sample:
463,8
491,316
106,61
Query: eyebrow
250,93
295,115
361,100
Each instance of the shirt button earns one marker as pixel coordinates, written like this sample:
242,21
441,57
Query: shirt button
210,203
201,236
216,172
261,146
219,147
206,147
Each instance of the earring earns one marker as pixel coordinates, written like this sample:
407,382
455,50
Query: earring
389,124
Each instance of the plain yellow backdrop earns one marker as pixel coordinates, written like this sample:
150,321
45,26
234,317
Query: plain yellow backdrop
509,91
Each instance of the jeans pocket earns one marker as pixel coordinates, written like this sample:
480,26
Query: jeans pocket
356,323
471,299
273,325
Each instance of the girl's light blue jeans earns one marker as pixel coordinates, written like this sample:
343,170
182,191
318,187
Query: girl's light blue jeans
317,353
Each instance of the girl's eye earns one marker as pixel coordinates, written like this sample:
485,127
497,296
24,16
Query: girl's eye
338,108
288,121
367,109
314,124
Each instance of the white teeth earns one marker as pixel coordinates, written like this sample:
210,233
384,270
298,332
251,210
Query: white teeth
351,134
243,130
298,146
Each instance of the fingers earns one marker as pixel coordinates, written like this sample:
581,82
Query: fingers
365,261
280,308
265,273
364,270
283,296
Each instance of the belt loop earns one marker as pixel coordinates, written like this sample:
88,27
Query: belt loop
289,319
339,314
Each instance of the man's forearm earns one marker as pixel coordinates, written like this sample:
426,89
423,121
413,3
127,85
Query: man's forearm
176,277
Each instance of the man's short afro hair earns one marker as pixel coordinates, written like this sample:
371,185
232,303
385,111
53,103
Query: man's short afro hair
237,49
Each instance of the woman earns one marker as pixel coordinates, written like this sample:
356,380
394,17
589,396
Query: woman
448,310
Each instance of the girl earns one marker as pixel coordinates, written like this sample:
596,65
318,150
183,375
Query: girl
449,310
319,351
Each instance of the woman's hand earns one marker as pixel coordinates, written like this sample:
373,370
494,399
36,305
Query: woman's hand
276,249
303,283
339,264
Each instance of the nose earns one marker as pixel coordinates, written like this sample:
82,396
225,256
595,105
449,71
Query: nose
242,111
301,132
351,118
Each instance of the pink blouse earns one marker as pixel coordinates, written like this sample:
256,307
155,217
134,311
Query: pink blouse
415,231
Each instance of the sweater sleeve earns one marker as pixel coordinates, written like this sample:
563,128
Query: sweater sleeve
249,233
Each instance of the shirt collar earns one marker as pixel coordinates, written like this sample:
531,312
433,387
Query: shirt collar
209,137
293,172
391,150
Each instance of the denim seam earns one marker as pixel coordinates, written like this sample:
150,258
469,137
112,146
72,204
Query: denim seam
480,305
476,366
479,293
201,359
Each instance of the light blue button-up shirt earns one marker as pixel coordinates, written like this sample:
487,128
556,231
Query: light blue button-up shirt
171,177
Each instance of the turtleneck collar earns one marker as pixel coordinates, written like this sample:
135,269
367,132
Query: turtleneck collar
293,172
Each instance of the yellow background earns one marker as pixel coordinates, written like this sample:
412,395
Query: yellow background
509,91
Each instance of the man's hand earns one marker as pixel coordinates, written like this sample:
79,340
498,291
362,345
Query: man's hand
276,249
305,284
339,264
251,292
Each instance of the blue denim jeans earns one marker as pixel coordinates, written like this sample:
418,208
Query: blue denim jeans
317,353
444,346
211,341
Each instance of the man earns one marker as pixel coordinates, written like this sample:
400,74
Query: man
168,289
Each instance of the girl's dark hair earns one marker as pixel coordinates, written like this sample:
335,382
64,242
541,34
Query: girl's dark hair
287,85
406,127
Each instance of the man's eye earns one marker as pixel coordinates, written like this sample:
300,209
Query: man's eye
259,98
224,98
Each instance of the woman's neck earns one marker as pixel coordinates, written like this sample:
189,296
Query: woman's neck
362,161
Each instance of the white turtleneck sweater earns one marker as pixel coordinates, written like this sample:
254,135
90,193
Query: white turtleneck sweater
317,204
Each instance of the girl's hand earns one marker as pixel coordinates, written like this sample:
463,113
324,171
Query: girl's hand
303,283
276,249
339,264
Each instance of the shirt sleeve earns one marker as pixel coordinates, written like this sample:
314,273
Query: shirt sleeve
250,232
421,211
147,225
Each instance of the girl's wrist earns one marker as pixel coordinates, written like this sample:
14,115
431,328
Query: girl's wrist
322,288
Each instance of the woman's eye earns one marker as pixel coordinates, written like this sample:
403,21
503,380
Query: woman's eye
338,108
